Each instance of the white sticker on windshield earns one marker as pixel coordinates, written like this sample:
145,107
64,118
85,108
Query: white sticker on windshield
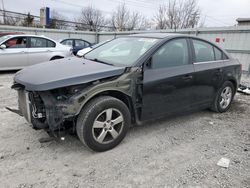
147,40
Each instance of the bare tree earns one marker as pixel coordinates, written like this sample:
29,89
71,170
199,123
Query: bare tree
11,19
160,17
177,14
122,19
57,21
28,20
91,18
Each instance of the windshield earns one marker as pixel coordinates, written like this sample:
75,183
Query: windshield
121,51
3,38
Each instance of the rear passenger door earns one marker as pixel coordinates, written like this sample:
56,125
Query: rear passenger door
168,80
208,64
40,50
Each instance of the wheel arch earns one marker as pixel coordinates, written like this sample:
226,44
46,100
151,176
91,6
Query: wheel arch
126,99
234,82
56,57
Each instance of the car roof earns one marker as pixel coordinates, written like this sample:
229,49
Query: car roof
27,35
73,39
157,35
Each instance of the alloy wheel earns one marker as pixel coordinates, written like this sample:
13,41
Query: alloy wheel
226,97
108,126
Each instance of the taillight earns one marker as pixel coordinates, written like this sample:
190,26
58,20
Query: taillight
71,51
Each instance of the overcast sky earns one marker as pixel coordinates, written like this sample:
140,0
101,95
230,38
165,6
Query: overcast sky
215,12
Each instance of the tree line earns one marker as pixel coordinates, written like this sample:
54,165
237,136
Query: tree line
174,14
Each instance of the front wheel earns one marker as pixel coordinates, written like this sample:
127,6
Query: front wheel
224,97
103,123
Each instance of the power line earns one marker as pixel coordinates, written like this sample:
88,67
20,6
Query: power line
75,24
79,6
132,3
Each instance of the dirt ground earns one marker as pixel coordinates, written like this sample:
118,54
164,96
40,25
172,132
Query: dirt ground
176,152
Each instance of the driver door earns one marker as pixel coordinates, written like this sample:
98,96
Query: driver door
168,80
14,56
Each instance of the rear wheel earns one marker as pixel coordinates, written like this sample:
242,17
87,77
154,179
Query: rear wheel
224,97
103,123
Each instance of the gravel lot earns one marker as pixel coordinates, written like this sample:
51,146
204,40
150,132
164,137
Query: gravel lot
175,152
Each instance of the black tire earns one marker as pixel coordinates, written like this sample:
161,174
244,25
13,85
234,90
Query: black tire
89,115
216,104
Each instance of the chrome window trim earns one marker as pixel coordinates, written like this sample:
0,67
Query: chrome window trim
205,62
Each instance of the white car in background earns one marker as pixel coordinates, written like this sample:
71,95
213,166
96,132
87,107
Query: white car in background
18,51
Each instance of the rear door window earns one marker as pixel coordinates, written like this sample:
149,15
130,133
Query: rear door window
203,51
36,42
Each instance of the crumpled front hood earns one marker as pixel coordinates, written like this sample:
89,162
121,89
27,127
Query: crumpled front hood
64,72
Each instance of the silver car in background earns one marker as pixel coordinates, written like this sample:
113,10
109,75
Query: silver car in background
18,51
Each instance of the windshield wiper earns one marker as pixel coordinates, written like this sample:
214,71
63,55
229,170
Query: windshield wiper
99,61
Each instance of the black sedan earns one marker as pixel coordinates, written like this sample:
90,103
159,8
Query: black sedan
127,81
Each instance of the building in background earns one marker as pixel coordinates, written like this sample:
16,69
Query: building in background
44,16
243,21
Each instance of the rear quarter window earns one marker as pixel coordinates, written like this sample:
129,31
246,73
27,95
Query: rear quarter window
224,56
203,51
218,54
51,44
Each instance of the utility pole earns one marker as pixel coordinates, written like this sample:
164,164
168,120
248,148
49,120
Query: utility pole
3,12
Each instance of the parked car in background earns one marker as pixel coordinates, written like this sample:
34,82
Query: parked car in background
76,44
127,81
18,51
82,52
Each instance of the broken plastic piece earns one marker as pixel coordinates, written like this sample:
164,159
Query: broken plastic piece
47,139
223,162
244,89
14,111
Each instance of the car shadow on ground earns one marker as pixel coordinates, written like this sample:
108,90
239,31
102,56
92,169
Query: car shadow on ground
70,141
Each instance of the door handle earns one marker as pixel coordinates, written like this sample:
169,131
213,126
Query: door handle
49,51
218,72
187,77
23,52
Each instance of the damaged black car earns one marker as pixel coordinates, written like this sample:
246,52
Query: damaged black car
127,81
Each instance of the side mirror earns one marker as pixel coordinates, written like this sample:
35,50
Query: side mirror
3,46
148,64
